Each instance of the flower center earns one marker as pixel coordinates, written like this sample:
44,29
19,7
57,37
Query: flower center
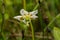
27,17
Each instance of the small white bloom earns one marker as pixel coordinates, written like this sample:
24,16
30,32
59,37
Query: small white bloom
27,23
24,21
34,12
23,12
34,16
26,16
18,17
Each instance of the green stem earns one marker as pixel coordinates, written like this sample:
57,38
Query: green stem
2,24
24,4
52,21
36,6
32,30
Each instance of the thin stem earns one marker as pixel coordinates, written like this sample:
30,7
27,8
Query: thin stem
36,6
24,4
32,30
2,24
52,22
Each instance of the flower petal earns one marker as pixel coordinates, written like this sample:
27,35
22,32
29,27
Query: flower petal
27,23
23,12
24,21
34,16
34,12
18,17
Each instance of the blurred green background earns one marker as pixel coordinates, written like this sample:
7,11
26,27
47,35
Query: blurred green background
47,25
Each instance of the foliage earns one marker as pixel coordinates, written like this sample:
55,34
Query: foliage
47,12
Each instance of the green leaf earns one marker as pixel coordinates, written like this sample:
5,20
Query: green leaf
6,16
58,21
8,2
56,33
23,26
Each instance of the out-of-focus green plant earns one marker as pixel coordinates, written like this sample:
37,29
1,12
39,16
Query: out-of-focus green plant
53,20
0,18
56,32
47,12
55,29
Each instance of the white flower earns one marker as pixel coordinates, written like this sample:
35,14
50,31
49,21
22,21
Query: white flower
26,16
18,17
